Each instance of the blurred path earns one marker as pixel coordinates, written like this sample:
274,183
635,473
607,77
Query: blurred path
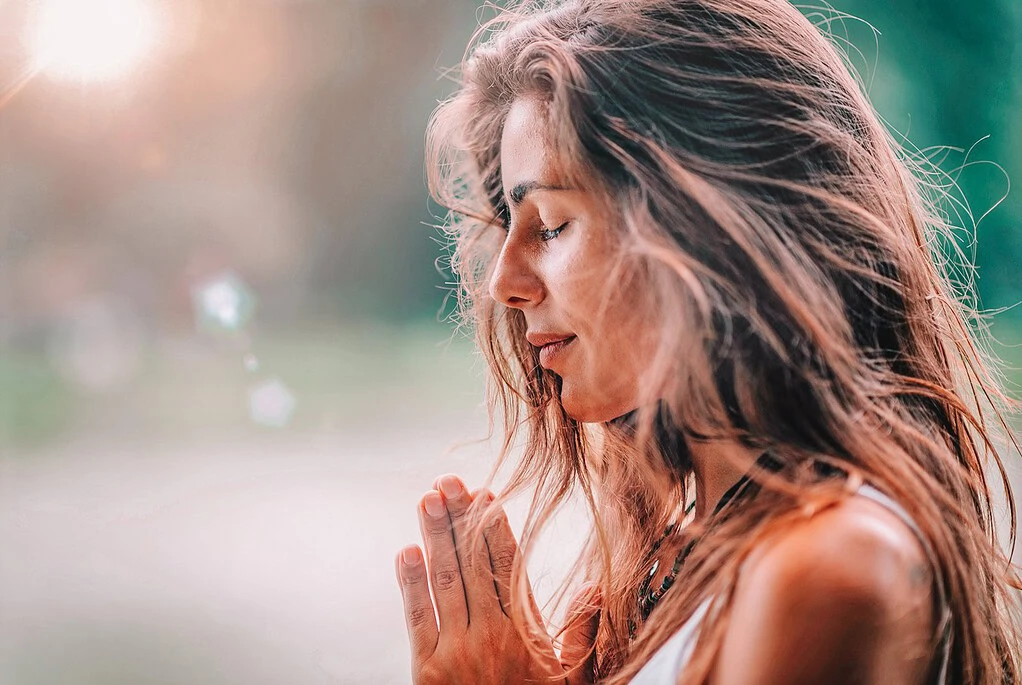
255,564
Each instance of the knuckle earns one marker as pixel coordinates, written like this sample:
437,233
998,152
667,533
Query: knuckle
503,560
413,577
439,530
495,522
430,674
420,615
446,578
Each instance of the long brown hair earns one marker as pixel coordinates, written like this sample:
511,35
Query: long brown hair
797,252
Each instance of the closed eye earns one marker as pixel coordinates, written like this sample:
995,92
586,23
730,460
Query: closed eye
551,233
545,234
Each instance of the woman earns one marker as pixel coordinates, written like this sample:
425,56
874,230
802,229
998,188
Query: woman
707,285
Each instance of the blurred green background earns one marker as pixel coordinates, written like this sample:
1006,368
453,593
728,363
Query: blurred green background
225,374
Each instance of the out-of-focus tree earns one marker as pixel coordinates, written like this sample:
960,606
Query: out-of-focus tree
950,74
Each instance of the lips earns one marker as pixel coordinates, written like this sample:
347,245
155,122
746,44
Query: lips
544,339
550,353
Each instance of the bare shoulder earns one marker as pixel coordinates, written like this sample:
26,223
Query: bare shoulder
843,596
857,548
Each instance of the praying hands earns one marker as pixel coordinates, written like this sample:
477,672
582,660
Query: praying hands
467,635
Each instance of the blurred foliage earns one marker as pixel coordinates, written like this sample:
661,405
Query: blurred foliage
950,74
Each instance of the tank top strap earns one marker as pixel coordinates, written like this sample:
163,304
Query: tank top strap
871,492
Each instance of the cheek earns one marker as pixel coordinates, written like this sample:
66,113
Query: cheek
607,382
623,348
577,265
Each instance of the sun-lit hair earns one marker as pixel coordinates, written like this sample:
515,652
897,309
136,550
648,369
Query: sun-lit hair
799,255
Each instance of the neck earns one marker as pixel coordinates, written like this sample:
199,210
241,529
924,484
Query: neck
717,466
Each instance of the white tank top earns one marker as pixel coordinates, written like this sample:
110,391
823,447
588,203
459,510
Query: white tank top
672,657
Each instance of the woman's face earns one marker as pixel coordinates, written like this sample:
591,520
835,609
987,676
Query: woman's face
557,266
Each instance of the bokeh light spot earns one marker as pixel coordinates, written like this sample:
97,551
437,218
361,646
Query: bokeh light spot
91,40
223,303
271,403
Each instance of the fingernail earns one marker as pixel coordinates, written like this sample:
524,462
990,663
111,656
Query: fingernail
451,486
410,556
434,505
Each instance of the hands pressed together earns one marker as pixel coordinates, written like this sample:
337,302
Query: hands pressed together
467,635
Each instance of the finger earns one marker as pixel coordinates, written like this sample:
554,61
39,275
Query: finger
418,607
442,559
503,547
473,559
583,622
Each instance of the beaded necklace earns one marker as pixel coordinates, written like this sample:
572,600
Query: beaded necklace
647,599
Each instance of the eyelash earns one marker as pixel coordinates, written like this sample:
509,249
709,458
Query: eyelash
555,231
545,233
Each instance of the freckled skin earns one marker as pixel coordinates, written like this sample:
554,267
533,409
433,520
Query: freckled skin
841,598
845,586
559,284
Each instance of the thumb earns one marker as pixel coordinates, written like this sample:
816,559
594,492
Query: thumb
583,620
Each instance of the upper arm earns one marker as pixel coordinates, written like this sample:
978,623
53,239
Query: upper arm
843,597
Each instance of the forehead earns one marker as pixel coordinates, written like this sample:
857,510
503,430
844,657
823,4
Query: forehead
525,150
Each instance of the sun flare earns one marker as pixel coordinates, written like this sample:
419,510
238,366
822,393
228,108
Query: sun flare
92,40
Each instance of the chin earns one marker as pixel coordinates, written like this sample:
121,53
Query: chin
579,405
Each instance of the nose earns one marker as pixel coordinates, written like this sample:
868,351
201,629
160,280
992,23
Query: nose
515,281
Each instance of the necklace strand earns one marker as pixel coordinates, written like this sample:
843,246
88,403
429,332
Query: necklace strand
647,599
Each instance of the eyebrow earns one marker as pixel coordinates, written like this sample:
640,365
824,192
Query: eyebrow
518,193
